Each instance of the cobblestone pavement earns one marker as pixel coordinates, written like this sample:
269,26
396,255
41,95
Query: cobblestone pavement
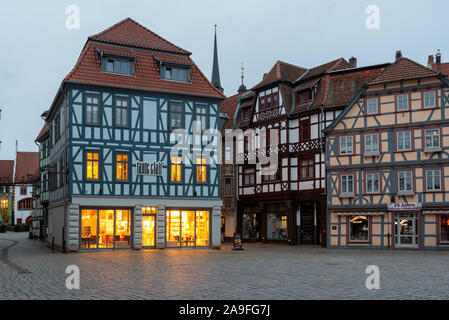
259,272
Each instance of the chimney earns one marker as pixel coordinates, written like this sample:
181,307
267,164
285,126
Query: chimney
398,55
438,57
353,62
430,61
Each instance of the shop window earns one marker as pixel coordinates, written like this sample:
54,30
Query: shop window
433,180
89,229
202,228
249,227
93,165
444,228
346,145
306,169
105,229
176,169
187,228
277,227
122,167
201,170
404,141
358,228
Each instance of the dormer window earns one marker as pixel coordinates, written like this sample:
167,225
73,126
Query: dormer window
175,73
305,96
118,66
246,113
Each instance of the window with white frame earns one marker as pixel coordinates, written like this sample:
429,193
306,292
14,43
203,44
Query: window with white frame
402,102
432,138
347,184
404,141
405,182
372,181
429,99
372,143
346,145
372,106
433,180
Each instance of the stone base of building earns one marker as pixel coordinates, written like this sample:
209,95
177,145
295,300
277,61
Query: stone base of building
91,224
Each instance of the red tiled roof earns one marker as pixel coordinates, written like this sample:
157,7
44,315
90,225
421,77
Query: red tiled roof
338,64
403,69
229,107
27,166
130,33
43,131
338,88
443,68
6,171
281,71
147,77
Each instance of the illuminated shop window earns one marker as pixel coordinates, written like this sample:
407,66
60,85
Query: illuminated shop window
444,228
277,227
358,228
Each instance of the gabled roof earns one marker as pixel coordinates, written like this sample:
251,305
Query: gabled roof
281,71
229,107
146,68
338,64
6,171
130,33
443,68
44,132
403,69
27,167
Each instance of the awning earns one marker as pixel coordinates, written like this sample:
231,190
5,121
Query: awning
364,213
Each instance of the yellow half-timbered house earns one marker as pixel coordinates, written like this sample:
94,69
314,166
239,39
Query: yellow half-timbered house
388,162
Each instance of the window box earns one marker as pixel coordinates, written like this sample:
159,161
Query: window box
371,153
432,150
347,195
406,193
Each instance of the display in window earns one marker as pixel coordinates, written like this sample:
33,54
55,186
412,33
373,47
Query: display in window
277,227
359,228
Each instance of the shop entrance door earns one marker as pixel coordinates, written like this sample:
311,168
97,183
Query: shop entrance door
148,231
307,222
406,231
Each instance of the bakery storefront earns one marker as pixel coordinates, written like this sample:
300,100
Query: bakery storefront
401,226
114,228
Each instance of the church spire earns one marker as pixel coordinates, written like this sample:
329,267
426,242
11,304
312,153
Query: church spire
216,69
242,88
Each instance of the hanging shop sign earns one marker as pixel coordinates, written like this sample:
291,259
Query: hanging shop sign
150,169
404,206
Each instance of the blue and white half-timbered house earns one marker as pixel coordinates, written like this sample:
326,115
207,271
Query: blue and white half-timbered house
113,181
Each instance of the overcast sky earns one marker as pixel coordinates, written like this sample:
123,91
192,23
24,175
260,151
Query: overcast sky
37,50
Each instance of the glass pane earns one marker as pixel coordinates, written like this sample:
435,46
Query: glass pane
249,227
276,227
202,228
148,231
359,228
122,229
106,235
444,228
188,228
88,229
173,228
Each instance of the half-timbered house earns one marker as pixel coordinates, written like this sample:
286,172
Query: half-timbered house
290,205
388,164
113,180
